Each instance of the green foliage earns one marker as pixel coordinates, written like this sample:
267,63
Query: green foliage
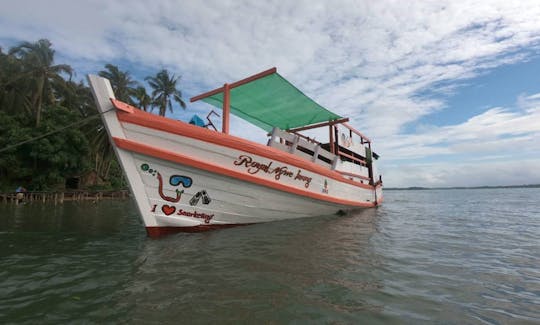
38,73
14,162
59,155
37,99
121,82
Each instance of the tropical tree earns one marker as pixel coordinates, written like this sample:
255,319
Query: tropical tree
60,155
38,97
14,92
165,91
39,71
121,82
101,151
75,96
8,69
141,98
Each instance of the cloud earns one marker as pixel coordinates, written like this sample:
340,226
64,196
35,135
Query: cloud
515,130
498,147
370,60
444,174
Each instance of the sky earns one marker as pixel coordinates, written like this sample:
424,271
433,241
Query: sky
448,91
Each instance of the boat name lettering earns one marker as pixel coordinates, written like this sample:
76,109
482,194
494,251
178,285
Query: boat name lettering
253,167
305,179
195,214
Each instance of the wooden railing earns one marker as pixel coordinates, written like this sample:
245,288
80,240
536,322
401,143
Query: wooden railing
60,197
297,145
313,151
353,158
354,175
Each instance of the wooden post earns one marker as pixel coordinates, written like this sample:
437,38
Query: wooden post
226,108
369,164
331,137
336,133
316,153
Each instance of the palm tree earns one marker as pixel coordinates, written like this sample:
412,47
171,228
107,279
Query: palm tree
101,150
14,90
164,91
40,71
142,99
121,82
75,95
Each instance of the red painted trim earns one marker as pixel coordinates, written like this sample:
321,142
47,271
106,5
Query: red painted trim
341,153
234,84
213,168
319,125
122,106
356,132
206,94
254,77
155,232
156,122
354,175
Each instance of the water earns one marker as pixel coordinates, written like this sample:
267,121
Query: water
448,256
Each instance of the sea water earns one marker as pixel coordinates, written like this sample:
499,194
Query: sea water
431,256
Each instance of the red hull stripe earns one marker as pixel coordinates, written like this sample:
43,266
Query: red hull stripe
162,231
213,168
155,122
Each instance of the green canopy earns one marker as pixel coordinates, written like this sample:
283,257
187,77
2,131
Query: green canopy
273,101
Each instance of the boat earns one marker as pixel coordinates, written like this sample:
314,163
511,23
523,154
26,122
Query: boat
191,177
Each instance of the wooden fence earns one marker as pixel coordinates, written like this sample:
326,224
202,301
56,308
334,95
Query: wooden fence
60,197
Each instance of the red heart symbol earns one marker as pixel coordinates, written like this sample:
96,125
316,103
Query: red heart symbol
168,209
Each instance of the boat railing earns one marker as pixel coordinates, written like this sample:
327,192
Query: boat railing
297,145
350,158
353,158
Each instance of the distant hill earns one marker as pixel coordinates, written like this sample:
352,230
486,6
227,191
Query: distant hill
418,188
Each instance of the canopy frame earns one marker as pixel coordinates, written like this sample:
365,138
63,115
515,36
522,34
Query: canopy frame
309,112
226,90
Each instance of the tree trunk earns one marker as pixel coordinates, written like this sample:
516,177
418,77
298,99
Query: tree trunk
38,99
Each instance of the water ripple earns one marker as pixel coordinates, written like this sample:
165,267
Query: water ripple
455,256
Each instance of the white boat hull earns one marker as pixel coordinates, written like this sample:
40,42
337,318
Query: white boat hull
187,178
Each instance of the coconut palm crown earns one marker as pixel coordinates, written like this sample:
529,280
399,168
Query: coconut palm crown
164,91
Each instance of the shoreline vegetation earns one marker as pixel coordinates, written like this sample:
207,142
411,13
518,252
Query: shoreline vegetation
419,188
51,139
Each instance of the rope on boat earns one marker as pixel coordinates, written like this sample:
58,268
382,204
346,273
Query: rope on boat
83,121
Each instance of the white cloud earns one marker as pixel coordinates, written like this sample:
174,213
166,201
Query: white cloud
364,59
478,173
493,130
498,147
